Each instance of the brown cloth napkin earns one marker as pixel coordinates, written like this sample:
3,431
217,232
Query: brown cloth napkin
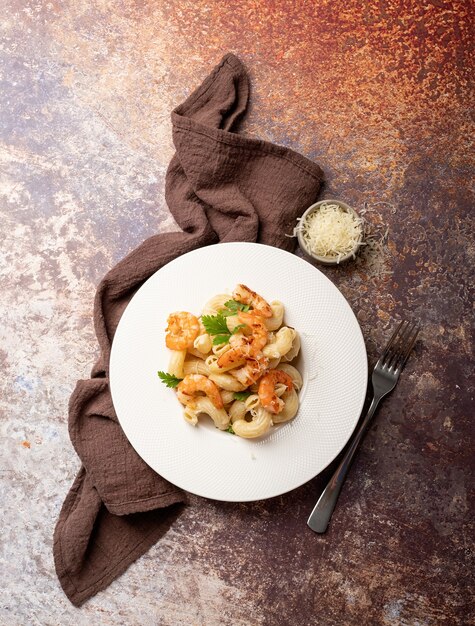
220,186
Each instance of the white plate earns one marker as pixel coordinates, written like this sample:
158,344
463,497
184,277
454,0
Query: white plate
202,459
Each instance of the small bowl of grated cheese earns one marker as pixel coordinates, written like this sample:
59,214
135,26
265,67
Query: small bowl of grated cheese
330,232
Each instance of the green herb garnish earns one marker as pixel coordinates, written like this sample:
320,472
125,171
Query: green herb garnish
220,339
233,307
241,395
216,326
168,379
238,328
229,429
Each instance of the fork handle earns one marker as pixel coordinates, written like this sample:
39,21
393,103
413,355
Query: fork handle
322,512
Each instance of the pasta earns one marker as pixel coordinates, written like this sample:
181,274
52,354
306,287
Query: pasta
227,382
281,343
195,366
227,397
260,423
275,322
237,411
194,352
233,363
176,363
220,417
203,343
231,322
291,405
294,350
294,375
215,304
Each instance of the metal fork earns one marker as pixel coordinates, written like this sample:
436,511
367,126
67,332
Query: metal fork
385,376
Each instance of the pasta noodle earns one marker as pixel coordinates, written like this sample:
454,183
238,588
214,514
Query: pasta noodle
194,352
191,415
252,402
203,343
291,405
237,410
260,423
219,416
275,322
236,366
227,382
232,321
294,375
273,363
294,350
281,343
175,364
195,366
219,350
215,304
227,396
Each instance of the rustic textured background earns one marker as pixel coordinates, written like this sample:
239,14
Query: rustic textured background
377,93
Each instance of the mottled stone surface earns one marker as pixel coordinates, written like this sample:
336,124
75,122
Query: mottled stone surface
378,93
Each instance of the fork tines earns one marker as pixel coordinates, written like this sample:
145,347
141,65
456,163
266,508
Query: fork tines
400,345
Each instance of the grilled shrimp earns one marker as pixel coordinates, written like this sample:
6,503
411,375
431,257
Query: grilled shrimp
182,330
252,370
255,331
192,384
266,391
246,344
247,296
234,357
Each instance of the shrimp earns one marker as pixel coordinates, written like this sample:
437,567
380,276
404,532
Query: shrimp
192,384
252,370
247,296
183,328
234,357
255,330
266,391
245,346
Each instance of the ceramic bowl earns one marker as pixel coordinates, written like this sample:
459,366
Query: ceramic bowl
329,260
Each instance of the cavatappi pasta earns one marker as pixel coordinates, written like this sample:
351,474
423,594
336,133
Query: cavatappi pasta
232,363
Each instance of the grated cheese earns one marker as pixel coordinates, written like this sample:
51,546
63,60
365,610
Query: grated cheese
331,231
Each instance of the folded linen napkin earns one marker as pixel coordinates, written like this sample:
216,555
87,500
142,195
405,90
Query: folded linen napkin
220,186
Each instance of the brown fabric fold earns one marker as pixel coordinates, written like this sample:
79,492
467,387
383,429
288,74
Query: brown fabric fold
220,186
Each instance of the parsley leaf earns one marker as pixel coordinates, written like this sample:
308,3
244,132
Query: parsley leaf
215,324
224,337
241,395
233,307
220,339
237,328
229,429
168,379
